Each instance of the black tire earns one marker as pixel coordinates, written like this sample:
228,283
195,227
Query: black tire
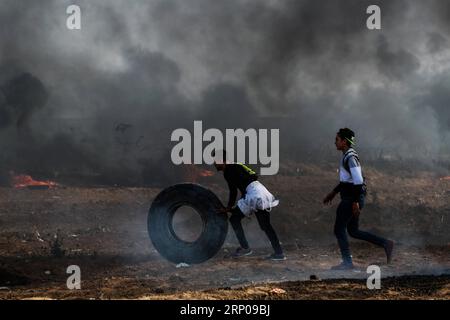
164,239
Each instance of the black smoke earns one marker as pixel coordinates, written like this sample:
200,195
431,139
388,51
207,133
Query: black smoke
20,97
101,103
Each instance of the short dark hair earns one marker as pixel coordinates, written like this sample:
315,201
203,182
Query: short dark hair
347,135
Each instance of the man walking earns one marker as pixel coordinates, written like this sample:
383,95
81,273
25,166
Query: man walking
255,199
352,192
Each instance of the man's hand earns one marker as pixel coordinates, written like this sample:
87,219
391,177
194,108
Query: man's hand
355,209
329,198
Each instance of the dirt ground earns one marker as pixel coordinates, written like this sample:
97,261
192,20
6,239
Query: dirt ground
103,230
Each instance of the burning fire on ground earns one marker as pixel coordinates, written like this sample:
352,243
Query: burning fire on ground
23,181
193,173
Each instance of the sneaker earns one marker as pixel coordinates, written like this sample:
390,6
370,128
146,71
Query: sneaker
276,257
241,252
389,248
343,266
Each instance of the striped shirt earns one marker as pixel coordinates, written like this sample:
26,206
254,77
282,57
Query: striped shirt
350,168
350,176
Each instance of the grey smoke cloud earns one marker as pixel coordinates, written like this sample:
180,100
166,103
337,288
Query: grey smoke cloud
308,67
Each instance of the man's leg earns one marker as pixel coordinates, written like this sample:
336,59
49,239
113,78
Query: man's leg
343,215
353,231
264,222
235,220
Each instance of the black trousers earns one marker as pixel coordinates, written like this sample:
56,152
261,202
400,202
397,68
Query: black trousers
346,221
264,223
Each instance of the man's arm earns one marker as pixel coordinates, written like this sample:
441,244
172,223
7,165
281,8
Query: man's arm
332,194
358,180
337,189
233,195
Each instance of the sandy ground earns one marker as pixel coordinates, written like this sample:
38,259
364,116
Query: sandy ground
150,277
103,230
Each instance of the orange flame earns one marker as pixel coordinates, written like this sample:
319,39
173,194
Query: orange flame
25,181
193,173
206,173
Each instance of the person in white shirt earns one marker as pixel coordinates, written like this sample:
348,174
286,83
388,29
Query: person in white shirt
352,191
